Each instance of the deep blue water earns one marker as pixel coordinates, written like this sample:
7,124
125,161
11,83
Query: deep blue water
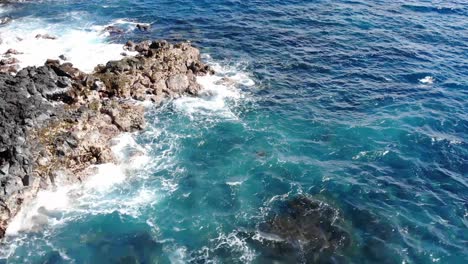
338,112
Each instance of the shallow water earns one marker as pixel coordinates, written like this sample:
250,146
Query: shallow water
359,104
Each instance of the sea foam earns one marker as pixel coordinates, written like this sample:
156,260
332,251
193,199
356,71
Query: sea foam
85,47
57,206
218,91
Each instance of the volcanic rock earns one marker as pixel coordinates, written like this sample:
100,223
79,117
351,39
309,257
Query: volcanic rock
72,116
143,27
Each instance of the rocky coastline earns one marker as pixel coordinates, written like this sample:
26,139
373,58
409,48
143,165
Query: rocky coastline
57,121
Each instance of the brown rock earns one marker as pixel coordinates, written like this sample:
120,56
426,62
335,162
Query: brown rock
178,83
9,61
12,51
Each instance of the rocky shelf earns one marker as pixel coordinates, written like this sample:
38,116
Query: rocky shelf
56,121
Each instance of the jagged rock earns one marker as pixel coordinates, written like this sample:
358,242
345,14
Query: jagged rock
160,70
12,51
22,107
9,68
63,57
74,134
142,47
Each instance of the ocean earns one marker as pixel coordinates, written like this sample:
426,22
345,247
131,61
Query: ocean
359,105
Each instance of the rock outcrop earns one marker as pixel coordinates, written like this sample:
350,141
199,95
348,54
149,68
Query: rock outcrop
56,120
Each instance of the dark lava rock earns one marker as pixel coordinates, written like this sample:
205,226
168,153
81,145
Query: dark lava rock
23,104
113,30
302,230
58,118
143,27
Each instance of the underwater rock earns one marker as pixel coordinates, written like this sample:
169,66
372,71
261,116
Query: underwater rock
72,116
302,230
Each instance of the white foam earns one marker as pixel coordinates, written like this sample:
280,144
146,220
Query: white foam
427,80
129,152
178,256
370,154
234,183
55,207
107,176
32,218
218,91
236,245
84,47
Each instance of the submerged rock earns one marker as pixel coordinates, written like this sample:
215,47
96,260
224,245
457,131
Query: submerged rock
302,230
72,116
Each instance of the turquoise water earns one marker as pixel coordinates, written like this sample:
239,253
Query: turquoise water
358,104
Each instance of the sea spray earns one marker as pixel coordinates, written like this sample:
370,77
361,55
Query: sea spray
51,206
219,90
85,48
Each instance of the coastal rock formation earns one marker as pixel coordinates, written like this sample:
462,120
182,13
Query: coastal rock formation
25,103
57,121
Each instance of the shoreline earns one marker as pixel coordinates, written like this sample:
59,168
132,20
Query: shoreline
72,116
